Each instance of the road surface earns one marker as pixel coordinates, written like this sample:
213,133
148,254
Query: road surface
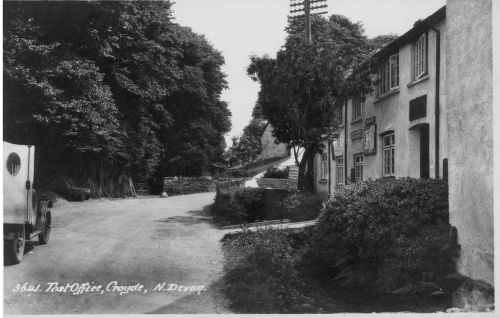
144,248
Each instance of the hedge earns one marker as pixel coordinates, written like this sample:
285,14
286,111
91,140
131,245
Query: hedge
260,274
187,186
387,236
247,206
276,173
299,206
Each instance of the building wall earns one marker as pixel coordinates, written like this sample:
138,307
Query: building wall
469,92
392,113
269,148
321,186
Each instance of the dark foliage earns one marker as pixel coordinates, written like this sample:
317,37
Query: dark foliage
225,211
302,88
300,206
247,206
247,147
261,276
188,186
109,89
383,245
252,202
276,173
385,237
378,42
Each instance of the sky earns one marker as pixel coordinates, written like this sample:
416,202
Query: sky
241,28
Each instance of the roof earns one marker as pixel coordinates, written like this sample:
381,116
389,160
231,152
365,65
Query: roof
419,27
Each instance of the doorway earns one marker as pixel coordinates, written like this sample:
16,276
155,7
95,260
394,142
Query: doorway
424,151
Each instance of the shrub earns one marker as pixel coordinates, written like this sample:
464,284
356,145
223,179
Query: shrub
299,206
260,274
238,173
387,236
248,206
226,212
276,173
187,186
251,200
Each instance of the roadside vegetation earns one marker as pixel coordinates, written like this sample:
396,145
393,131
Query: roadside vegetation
247,205
383,245
120,94
276,173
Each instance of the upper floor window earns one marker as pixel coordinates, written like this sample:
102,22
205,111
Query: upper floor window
420,57
388,75
339,115
324,167
357,107
388,146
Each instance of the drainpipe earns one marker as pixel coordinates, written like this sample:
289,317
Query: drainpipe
345,143
436,108
329,167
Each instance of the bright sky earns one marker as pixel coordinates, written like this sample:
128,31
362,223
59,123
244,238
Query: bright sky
240,28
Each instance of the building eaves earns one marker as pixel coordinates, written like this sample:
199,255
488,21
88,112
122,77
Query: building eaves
419,27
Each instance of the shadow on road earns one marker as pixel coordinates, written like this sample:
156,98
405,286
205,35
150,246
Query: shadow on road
194,217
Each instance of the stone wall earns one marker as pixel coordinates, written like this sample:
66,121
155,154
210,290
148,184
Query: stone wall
271,183
469,93
187,185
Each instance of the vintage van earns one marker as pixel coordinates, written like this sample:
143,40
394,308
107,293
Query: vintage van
25,215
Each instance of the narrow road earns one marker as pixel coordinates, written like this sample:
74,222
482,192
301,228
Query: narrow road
120,243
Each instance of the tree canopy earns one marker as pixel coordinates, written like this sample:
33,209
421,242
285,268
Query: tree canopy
305,84
246,147
117,84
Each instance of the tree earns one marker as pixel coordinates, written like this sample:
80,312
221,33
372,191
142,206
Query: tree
112,88
302,87
380,41
247,147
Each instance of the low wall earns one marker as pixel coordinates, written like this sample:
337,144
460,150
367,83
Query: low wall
188,185
271,183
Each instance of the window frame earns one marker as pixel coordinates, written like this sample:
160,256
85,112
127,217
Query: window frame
388,75
388,154
339,170
420,57
323,173
340,115
357,107
359,161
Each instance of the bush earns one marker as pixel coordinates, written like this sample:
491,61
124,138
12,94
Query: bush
238,174
251,200
187,186
247,207
260,274
276,173
299,206
226,212
388,236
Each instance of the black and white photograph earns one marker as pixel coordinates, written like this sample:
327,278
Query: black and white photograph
250,157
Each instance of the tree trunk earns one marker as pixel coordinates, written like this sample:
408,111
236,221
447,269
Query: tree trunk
306,170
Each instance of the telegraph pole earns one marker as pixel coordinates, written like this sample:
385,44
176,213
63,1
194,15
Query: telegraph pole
303,8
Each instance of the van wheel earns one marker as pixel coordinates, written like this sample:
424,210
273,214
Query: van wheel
44,236
14,249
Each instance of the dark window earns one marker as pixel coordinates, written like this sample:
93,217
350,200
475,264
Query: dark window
424,151
13,163
418,107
